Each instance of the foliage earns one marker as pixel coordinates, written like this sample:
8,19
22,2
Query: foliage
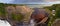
17,17
57,12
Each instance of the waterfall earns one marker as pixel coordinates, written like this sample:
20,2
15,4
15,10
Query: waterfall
4,23
32,22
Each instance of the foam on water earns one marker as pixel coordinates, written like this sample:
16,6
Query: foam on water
4,23
32,22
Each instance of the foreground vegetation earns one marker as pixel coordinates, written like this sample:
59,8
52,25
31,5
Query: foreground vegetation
55,7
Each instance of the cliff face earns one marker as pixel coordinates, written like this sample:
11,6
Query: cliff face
15,14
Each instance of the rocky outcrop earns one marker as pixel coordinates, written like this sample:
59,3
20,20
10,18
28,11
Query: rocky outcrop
16,14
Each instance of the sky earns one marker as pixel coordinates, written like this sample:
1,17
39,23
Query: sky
6,1
30,1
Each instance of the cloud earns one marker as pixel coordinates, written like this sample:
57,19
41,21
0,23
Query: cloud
50,0
30,1
35,1
6,1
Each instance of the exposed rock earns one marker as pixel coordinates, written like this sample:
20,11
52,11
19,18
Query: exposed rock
17,12
10,9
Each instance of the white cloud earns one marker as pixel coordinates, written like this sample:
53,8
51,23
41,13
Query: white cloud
29,1
50,0
6,1
56,2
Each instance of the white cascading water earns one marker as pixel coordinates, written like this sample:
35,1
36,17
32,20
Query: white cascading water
4,23
32,22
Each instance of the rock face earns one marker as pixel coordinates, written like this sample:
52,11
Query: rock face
18,13
40,15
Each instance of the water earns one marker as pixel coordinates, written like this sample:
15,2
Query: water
4,23
32,22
